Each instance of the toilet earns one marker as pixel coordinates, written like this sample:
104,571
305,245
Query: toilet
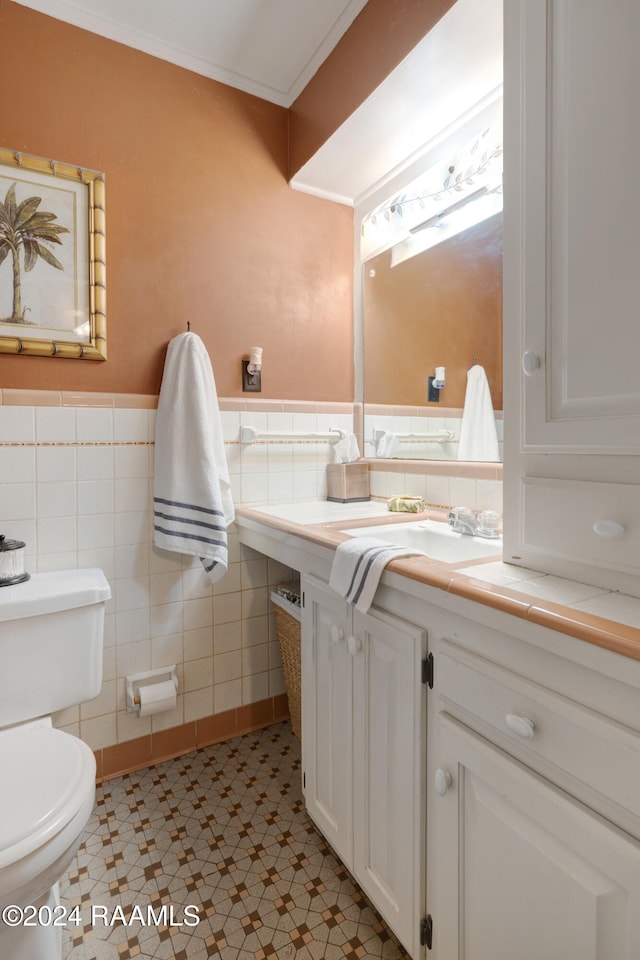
51,639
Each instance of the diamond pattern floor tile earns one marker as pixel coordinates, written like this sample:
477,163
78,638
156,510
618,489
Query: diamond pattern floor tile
223,830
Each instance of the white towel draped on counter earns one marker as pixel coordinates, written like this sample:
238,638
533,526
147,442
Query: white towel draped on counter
192,504
478,436
358,565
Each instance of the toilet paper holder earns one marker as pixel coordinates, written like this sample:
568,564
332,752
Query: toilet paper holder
134,681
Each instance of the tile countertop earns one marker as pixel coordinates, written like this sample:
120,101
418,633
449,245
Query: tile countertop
593,614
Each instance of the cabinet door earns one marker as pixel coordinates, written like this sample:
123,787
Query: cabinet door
389,769
572,73
327,716
520,869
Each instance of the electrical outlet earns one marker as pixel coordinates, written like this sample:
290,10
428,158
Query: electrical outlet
251,382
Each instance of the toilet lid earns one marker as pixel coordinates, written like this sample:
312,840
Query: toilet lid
45,776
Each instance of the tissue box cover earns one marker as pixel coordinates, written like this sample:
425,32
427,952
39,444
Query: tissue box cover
347,482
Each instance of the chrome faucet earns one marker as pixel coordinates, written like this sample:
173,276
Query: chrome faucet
462,520
484,524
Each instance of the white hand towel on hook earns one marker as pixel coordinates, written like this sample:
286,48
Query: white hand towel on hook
192,505
478,435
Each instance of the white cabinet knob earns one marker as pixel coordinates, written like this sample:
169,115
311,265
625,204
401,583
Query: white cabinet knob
608,529
353,645
521,726
337,634
443,781
530,363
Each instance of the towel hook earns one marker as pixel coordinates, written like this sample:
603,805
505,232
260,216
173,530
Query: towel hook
188,326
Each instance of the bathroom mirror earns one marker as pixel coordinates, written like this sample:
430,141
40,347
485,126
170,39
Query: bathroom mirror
439,308
390,159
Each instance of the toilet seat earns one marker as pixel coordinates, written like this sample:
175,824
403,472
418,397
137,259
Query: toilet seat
47,778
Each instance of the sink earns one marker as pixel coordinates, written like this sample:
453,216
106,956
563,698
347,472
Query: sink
433,538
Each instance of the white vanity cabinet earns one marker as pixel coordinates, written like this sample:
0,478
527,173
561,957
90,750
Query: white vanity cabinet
363,736
327,716
525,870
522,753
533,799
572,287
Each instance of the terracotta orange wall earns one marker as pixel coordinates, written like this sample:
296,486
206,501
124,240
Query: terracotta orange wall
201,224
440,308
380,37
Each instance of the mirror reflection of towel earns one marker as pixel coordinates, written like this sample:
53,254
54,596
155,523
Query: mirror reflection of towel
478,435
388,445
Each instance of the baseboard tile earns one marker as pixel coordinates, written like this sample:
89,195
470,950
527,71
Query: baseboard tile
146,751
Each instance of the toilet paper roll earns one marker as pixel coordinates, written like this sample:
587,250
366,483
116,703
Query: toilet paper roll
157,697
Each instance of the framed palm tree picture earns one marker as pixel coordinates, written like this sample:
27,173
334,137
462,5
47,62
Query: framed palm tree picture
52,258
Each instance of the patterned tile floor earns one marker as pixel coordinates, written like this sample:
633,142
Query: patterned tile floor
224,830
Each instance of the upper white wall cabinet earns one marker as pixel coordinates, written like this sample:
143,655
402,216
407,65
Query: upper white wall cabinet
575,159
572,282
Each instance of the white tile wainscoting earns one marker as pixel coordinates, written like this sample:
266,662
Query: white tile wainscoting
76,485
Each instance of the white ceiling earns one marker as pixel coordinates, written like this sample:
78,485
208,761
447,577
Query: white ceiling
270,48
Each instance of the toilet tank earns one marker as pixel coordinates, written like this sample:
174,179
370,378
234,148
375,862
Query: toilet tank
51,638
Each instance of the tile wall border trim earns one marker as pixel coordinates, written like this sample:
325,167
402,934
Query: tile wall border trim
77,443
140,401
431,410
471,470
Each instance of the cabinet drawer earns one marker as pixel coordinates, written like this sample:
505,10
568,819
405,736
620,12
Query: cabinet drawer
562,517
541,727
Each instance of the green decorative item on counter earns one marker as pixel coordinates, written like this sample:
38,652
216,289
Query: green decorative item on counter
406,504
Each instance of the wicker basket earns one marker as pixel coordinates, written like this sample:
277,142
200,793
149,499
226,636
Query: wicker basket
287,618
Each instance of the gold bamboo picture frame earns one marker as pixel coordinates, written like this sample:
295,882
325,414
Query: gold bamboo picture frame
52,258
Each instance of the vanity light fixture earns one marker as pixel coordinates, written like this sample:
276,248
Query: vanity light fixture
444,200
437,218
486,203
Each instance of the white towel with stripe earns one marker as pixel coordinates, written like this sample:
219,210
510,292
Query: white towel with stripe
192,504
358,565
